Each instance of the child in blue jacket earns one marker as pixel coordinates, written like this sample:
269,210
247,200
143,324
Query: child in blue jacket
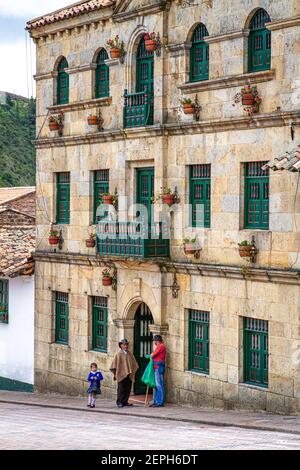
94,389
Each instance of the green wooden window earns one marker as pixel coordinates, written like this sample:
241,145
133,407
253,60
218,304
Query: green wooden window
99,320
259,42
101,186
256,196
256,352
145,78
3,301
61,317
145,189
63,198
200,195
199,341
102,75
199,55
62,82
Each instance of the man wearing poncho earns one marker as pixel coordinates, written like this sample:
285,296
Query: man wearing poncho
124,368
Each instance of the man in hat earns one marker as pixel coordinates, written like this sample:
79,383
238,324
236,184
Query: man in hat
124,367
159,360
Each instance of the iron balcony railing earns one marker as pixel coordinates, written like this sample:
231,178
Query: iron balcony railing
138,109
133,239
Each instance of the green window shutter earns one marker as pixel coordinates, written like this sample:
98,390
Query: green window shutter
145,189
63,198
199,341
200,195
256,352
101,186
61,317
99,324
102,75
62,83
199,55
259,52
256,196
3,301
145,78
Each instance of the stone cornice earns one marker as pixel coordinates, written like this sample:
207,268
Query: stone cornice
151,9
87,104
282,24
179,48
227,37
81,68
264,274
230,81
276,119
45,76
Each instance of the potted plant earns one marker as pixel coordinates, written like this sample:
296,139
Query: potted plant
116,47
53,236
151,40
109,199
166,196
106,277
247,249
2,308
91,241
93,120
55,121
249,97
190,246
188,106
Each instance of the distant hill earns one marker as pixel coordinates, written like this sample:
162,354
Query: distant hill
17,130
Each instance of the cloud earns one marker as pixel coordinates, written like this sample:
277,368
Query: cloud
30,8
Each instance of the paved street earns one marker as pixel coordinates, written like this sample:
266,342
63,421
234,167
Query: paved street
27,427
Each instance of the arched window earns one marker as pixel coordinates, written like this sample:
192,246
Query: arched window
199,55
62,82
102,75
145,76
259,42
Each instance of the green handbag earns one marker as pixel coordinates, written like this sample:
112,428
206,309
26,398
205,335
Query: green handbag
149,375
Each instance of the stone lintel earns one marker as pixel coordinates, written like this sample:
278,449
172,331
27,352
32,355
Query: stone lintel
112,62
81,68
227,37
178,49
86,104
159,329
125,324
282,24
45,76
230,81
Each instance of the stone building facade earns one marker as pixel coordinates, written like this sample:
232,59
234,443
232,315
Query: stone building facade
231,324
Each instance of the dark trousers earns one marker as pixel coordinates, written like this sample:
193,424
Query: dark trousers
124,389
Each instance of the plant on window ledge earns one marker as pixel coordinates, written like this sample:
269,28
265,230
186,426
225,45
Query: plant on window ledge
250,99
191,247
167,196
56,122
116,47
188,106
107,278
248,250
91,241
109,199
53,236
153,42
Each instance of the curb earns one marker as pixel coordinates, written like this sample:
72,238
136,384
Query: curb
162,418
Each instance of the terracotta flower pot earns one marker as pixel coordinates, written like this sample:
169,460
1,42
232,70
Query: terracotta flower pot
189,109
2,308
245,251
53,240
106,281
168,199
190,248
115,53
53,126
92,120
151,45
90,243
107,200
248,99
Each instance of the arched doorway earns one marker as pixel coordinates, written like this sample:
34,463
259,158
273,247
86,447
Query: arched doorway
142,344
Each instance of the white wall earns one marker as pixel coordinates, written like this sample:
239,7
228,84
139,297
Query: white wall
17,337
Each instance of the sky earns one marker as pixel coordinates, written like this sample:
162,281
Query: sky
15,61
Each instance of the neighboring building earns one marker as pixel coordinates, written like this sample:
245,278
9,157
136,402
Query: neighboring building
231,324
17,243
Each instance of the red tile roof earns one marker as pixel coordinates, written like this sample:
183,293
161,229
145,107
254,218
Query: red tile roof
289,161
71,11
10,194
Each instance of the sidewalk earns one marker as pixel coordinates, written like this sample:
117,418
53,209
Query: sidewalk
240,419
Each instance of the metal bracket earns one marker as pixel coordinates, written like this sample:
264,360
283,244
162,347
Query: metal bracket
175,287
158,45
198,108
60,239
100,122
